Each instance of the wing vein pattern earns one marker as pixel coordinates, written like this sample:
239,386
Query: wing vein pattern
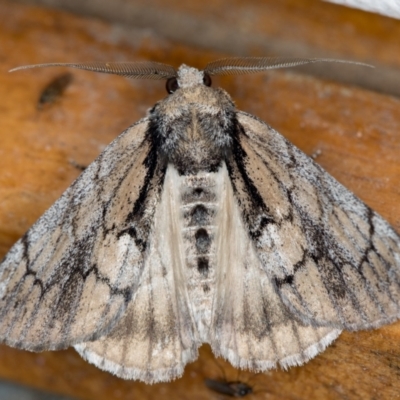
71,276
333,260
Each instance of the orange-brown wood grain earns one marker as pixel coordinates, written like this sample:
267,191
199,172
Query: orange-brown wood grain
356,132
291,28
314,23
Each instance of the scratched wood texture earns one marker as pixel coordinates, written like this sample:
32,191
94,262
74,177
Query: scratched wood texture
355,134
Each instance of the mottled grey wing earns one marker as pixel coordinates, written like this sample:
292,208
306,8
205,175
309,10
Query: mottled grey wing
251,326
70,277
157,335
333,260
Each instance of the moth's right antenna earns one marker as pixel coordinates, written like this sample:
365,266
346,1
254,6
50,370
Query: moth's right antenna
246,65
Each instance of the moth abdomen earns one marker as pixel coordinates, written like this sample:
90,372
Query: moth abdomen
199,209
198,217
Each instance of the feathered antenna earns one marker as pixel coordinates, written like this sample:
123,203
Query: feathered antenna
246,65
136,70
224,66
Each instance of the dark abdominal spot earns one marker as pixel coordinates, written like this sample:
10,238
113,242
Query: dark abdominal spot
203,240
197,192
202,265
199,215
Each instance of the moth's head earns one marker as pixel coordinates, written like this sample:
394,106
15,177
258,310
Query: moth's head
187,77
190,92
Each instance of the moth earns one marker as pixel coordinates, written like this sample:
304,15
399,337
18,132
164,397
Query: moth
199,224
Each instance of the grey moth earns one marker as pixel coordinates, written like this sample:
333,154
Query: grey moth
199,224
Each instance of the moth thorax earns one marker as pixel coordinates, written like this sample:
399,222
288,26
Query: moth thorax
192,156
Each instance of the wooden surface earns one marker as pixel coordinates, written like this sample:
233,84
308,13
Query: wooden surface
355,132
291,28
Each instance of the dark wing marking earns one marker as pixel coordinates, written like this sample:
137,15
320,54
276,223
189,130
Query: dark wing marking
70,277
333,260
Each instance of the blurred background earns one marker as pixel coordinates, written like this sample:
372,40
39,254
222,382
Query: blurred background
55,121
289,28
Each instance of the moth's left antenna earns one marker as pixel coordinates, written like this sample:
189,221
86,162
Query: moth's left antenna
135,70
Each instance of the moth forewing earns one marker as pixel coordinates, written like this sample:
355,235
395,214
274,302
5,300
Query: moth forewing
70,277
200,223
342,268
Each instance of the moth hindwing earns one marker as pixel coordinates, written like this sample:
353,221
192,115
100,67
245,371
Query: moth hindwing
199,223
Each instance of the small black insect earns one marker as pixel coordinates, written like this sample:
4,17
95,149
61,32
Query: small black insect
229,388
54,89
